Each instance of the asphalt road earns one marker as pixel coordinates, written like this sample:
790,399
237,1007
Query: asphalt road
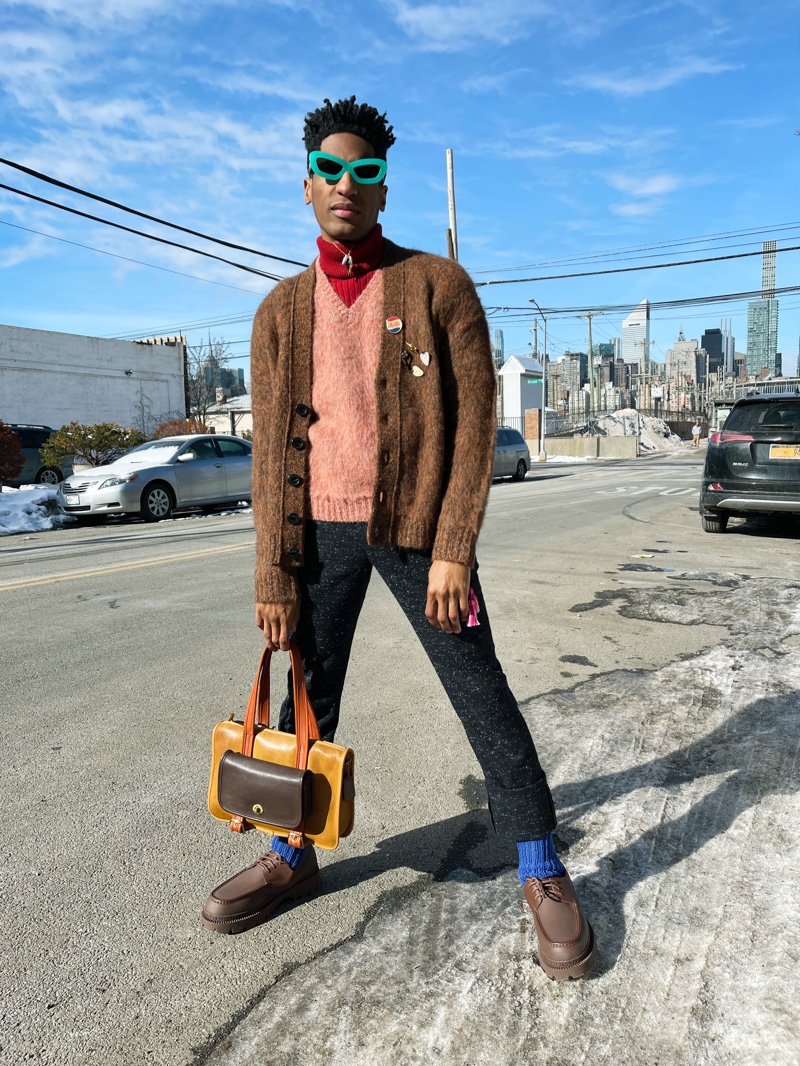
657,668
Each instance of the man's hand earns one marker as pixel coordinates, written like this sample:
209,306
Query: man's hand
278,621
448,596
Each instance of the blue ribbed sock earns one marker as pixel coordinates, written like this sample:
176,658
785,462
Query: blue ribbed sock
294,856
538,858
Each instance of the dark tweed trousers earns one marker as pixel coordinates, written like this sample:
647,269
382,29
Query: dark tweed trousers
333,583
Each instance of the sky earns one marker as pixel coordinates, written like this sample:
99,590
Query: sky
577,127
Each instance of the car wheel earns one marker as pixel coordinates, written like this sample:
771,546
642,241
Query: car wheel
48,475
716,523
157,502
521,471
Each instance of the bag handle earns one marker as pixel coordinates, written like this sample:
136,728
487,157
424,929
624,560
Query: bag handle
258,707
258,713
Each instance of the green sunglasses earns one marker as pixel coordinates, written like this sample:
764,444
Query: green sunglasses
331,168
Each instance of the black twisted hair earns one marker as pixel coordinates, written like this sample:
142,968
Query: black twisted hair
346,116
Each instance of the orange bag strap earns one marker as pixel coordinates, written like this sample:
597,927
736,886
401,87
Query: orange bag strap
258,713
258,707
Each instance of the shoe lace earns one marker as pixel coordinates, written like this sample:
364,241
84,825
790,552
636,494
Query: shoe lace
549,887
269,861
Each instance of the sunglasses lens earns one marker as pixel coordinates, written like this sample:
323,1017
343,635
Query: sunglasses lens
367,171
328,168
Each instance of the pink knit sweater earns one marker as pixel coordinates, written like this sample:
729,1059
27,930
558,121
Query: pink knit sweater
343,437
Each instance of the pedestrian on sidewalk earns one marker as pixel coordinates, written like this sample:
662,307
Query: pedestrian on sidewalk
697,431
373,397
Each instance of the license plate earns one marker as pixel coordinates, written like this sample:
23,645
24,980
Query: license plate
784,451
71,499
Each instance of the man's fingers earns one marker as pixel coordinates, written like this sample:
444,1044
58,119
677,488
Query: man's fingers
432,610
453,614
463,605
284,635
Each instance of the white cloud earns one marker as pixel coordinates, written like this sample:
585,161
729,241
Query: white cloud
653,80
465,23
493,83
636,210
91,12
657,185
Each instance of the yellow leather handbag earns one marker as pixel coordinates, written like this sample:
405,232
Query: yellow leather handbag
293,785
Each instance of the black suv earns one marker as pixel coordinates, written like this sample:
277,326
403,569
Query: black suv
36,471
753,462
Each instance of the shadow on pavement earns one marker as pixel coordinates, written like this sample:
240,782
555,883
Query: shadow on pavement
756,749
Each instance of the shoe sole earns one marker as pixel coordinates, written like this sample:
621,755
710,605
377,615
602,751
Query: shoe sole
243,922
570,971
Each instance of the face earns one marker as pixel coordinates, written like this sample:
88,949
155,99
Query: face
345,210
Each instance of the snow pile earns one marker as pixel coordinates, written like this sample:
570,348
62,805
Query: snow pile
30,509
655,435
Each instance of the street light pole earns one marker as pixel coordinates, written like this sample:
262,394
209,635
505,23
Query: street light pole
543,415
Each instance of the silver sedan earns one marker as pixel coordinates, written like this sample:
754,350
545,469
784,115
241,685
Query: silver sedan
164,475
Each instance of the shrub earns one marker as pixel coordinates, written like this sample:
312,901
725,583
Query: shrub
175,427
11,457
98,445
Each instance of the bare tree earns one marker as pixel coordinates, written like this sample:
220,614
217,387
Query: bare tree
207,369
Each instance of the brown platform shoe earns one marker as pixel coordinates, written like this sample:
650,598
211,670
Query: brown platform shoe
567,946
249,897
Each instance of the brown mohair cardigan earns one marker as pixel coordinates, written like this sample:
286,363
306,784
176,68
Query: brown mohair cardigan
436,433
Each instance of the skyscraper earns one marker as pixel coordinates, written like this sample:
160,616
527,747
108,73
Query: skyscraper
681,359
499,348
762,319
636,335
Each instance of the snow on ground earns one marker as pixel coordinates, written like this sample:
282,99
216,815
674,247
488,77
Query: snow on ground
678,797
561,459
30,509
655,434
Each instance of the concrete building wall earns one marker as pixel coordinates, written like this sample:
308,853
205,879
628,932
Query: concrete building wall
55,378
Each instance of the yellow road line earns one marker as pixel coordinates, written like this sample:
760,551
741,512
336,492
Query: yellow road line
51,579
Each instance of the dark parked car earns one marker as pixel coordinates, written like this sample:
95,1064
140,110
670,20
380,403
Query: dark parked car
753,462
511,455
36,471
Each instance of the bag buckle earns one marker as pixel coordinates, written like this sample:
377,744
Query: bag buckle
237,824
295,840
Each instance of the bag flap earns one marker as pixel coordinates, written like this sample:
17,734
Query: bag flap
264,791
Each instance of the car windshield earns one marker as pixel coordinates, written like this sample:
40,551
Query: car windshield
764,417
158,450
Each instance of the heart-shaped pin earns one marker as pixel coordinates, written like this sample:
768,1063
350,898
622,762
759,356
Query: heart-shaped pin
425,358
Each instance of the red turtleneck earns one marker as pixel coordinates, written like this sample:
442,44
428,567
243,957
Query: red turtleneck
367,255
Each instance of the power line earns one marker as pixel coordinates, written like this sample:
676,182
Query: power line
609,252
141,214
628,270
141,233
127,259
521,313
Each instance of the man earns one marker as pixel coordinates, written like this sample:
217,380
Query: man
697,430
373,395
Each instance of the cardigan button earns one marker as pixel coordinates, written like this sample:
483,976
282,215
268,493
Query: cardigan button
292,553
293,519
303,410
385,458
295,480
298,443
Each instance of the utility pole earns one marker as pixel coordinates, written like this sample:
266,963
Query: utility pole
645,345
594,378
452,242
535,338
543,415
